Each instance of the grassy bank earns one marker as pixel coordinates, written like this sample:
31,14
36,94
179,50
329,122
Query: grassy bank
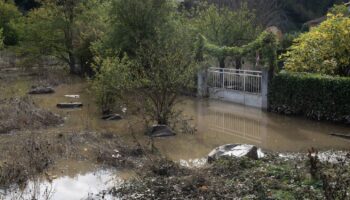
274,177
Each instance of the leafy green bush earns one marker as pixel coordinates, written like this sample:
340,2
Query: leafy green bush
314,96
9,17
110,82
325,49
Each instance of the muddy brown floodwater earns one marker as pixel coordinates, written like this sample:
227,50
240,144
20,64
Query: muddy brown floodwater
217,123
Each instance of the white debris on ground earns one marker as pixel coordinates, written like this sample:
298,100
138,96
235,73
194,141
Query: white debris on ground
72,96
193,163
326,156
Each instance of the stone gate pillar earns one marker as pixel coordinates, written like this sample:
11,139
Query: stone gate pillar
202,86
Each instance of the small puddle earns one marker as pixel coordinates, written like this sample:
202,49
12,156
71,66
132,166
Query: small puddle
90,185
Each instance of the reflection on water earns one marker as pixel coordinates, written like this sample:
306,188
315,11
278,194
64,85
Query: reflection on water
267,130
235,125
217,122
82,186
221,123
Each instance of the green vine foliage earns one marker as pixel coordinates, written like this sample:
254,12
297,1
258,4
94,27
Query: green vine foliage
266,43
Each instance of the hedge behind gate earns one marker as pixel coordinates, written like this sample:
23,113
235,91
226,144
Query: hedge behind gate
314,96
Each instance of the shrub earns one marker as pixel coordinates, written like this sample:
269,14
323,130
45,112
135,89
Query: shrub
314,96
110,82
9,17
325,49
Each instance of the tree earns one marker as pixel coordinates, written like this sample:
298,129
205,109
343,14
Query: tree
164,69
225,27
300,11
325,49
287,15
9,15
159,45
133,22
60,29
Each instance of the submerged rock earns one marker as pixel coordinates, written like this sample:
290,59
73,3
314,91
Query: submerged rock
72,96
161,131
235,150
112,117
70,105
342,135
42,90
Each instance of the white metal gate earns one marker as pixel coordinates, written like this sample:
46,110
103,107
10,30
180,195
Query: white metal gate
247,81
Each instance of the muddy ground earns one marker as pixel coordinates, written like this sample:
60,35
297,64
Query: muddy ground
272,177
21,113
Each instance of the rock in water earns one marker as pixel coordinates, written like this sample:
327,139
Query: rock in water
235,150
42,90
161,131
72,96
112,117
70,105
342,135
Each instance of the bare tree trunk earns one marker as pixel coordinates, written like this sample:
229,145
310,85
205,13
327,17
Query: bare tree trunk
222,66
238,62
72,69
222,62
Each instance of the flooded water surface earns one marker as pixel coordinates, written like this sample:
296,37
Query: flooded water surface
217,123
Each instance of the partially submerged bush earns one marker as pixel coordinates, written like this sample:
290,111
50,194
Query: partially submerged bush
110,82
22,113
314,96
32,157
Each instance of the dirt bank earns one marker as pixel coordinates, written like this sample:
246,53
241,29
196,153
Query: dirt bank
241,178
22,114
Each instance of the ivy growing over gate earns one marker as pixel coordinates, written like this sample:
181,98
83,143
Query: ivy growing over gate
265,44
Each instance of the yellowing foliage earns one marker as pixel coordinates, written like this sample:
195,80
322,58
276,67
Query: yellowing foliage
325,49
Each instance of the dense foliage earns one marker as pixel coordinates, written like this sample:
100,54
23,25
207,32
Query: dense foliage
266,43
288,15
158,43
134,22
9,15
325,49
224,27
164,70
314,96
60,29
110,82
